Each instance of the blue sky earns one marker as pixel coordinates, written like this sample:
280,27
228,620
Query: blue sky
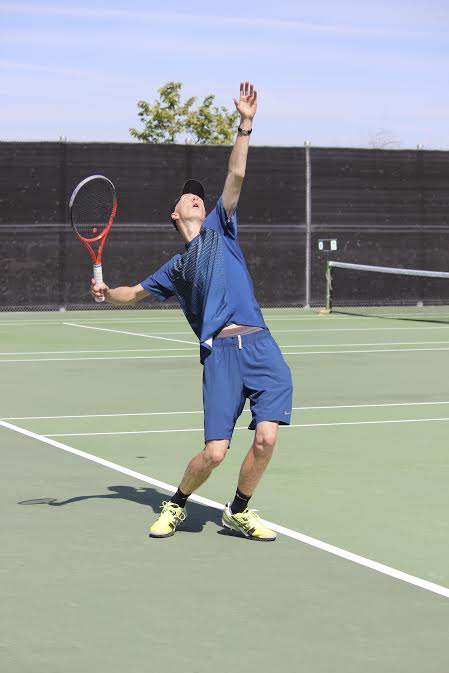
341,73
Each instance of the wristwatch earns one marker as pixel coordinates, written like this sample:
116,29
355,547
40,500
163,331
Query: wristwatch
244,132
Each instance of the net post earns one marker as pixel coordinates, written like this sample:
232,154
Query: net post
328,307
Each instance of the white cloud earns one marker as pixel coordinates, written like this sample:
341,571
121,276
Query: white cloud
387,30
108,77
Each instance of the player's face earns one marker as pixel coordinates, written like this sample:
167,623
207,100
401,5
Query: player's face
190,206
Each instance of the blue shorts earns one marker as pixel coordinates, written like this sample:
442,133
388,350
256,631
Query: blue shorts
256,371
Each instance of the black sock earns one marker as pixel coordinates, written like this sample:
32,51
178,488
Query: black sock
180,498
240,502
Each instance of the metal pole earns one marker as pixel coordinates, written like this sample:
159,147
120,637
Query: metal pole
308,200
62,220
328,308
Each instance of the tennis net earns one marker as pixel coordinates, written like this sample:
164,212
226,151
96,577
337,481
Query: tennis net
386,291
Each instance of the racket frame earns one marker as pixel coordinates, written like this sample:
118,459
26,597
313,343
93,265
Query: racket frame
96,257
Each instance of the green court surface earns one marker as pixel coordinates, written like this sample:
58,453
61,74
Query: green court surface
99,407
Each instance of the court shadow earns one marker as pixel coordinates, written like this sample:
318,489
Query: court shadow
197,515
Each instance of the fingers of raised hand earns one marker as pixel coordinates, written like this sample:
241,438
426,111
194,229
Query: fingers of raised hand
247,91
244,89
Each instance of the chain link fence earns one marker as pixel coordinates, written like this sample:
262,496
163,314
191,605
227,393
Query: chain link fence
300,207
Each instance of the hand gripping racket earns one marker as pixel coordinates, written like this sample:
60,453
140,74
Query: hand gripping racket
92,206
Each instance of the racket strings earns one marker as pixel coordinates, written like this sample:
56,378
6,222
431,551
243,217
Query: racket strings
92,208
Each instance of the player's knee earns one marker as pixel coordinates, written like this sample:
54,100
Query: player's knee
215,451
214,458
265,441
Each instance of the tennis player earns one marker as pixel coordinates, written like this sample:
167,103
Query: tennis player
241,359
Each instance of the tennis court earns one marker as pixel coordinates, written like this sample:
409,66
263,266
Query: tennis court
100,413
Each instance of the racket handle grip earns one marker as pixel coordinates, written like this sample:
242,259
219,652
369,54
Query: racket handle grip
98,277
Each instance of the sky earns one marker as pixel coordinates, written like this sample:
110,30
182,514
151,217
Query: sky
345,73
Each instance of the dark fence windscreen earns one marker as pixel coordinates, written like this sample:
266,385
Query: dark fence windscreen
384,207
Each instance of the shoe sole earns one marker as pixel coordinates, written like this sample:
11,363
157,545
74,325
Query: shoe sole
240,533
162,535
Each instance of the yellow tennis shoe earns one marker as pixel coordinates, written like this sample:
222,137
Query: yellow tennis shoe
167,521
248,523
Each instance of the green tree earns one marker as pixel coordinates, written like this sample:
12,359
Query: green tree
165,118
209,124
168,117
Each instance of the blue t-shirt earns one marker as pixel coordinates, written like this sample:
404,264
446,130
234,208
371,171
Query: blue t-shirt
210,280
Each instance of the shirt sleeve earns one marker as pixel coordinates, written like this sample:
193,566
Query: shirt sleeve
159,283
218,219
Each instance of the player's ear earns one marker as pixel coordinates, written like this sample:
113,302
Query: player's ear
174,216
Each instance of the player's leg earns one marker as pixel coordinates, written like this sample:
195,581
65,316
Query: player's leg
201,465
198,470
258,457
253,467
237,516
223,401
268,383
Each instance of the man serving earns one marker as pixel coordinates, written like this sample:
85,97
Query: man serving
241,360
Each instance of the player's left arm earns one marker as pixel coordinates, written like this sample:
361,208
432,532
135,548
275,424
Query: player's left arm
246,105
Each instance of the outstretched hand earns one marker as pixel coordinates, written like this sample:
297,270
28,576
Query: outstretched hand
246,105
98,291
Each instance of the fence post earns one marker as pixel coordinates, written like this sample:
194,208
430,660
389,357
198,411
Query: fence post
62,220
308,203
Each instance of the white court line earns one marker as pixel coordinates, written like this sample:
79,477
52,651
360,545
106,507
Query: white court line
367,329
371,350
175,413
168,357
300,537
324,328
276,332
115,350
243,427
377,343
181,318
148,321
173,319
116,331
157,350
131,357
328,329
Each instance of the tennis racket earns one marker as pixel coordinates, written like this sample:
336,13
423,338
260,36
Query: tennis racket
92,206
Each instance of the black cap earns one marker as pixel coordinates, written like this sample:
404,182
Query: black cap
190,187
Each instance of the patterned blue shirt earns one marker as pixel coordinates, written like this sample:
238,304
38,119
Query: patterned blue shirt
210,280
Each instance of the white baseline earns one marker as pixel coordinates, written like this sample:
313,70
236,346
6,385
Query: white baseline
300,537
